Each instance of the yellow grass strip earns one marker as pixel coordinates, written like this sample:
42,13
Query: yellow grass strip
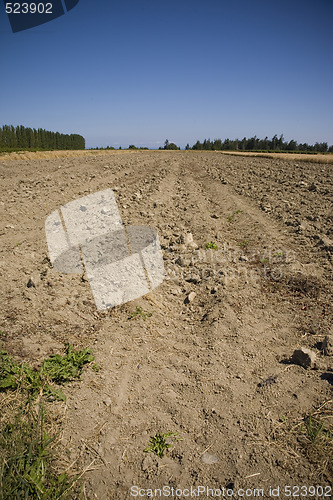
317,158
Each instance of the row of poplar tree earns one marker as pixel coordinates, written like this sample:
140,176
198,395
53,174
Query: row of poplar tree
15,138
256,144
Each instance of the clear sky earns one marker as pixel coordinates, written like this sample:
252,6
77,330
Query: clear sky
123,72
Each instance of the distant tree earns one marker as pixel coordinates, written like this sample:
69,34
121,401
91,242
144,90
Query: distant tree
197,146
291,146
21,137
254,143
281,142
170,145
173,146
273,142
321,147
226,144
131,146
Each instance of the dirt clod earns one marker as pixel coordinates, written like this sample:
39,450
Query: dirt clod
328,345
304,357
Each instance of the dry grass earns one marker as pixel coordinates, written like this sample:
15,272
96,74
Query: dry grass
47,155
317,158
309,437
29,450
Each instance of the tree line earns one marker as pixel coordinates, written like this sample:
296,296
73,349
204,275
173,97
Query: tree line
16,138
255,144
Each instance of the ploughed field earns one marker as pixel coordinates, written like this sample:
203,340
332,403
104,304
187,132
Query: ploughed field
207,354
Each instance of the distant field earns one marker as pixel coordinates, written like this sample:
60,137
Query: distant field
35,155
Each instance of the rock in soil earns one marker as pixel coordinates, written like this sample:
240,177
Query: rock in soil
328,345
304,357
209,459
191,296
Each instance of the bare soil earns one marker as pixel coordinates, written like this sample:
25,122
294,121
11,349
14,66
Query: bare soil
216,369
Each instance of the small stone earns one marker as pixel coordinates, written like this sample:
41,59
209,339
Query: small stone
243,258
304,357
209,459
328,345
312,187
107,401
187,239
191,296
180,261
326,242
34,280
31,283
193,278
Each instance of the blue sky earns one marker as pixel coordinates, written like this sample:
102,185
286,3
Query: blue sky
142,71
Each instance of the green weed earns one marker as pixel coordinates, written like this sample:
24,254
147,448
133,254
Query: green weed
244,244
212,245
315,429
158,443
61,369
139,312
56,369
231,217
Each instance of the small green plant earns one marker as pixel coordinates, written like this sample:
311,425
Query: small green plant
62,369
244,244
54,370
139,312
158,443
231,217
212,245
96,367
314,428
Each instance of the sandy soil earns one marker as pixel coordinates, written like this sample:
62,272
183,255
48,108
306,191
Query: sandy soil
215,369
